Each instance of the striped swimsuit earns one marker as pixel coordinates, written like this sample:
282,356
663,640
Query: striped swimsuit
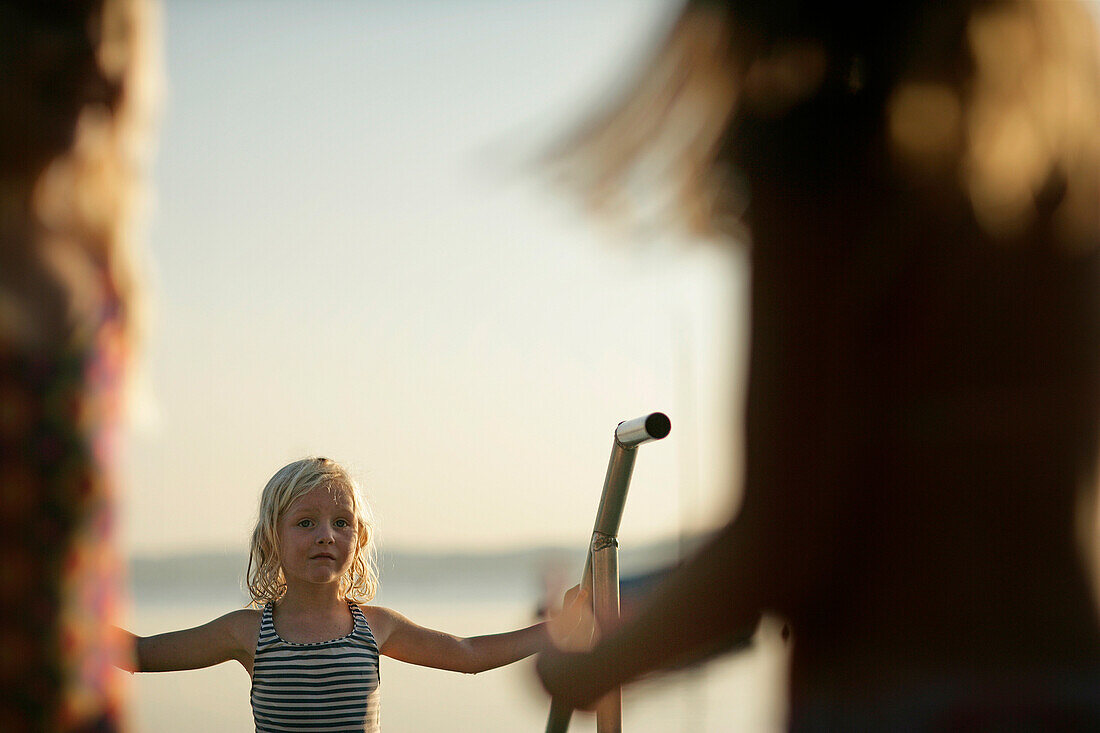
324,686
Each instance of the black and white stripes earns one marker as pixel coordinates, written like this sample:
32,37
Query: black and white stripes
327,686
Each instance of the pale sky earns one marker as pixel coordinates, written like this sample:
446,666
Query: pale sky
349,257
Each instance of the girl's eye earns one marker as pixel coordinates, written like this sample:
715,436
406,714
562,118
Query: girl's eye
341,523
305,523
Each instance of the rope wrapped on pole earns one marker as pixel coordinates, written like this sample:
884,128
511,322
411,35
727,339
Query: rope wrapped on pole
603,549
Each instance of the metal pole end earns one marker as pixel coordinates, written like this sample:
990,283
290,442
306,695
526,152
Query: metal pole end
658,425
632,433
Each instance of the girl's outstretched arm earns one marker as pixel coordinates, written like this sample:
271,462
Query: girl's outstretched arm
232,636
401,639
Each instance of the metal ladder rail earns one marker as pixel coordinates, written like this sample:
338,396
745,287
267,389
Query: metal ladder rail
601,565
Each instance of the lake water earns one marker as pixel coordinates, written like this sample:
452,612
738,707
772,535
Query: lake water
735,693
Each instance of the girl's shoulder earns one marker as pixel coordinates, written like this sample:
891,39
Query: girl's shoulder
375,615
243,624
381,620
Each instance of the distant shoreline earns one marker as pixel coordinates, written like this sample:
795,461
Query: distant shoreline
180,577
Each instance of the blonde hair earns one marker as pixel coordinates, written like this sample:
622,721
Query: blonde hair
1014,114
266,582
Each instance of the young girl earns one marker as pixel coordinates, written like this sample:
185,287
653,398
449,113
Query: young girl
312,643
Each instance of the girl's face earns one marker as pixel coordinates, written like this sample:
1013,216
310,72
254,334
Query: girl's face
317,537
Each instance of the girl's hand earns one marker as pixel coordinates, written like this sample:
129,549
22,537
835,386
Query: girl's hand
573,628
567,669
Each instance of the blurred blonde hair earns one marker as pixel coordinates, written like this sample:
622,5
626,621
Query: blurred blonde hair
266,582
997,101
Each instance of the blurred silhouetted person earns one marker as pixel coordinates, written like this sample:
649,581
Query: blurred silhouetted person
68,113
918,184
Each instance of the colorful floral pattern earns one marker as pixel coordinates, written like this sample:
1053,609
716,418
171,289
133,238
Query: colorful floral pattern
59,571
